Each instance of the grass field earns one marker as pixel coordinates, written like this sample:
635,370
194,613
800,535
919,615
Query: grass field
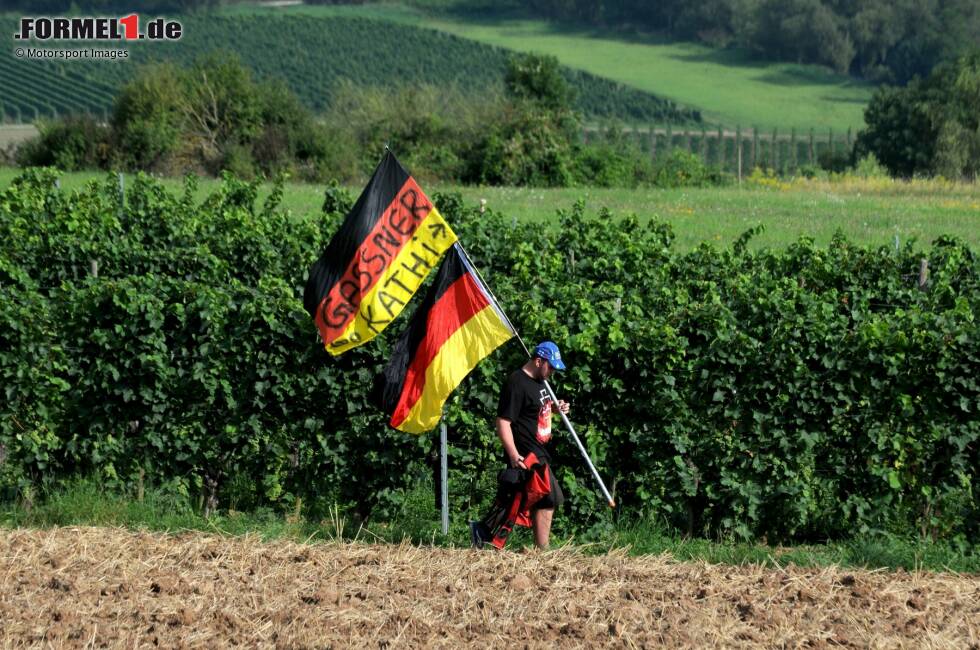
870,212
728,86
88,503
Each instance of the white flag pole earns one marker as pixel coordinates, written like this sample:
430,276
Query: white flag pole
581,447
551,393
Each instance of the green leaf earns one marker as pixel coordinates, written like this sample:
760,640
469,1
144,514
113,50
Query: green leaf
893,480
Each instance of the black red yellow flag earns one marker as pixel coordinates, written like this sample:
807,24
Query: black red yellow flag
385,248
456,326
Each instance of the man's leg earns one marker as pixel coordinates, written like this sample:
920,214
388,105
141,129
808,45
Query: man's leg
542,526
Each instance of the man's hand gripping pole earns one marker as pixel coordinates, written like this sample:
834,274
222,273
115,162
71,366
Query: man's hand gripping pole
581,447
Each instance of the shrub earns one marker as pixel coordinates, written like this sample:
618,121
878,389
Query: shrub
537,78
72,143
147,119
213,117
683,169
527,147
835,162
869,167
614,159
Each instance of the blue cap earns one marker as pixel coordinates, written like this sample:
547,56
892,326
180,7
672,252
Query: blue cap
548,351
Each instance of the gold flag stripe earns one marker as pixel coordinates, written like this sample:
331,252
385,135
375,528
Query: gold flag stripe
398,283
473,341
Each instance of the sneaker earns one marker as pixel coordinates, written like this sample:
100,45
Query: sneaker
477,536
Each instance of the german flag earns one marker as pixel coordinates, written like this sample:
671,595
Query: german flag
388,243
456,326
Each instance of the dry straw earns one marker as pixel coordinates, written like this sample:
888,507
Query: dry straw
91,587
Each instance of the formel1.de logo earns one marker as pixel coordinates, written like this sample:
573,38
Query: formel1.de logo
102,28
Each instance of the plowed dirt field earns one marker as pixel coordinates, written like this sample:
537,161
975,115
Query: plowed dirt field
93,587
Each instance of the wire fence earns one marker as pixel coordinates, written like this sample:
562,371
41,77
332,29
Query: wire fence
739,151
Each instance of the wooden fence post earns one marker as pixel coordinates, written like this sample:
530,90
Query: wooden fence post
812,152
755,147
775,150
653,143
738,150
793,154
721,148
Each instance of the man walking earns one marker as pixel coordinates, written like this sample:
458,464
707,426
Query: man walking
524,426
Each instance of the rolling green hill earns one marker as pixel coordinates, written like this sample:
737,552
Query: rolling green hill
312,54
636,80
728,86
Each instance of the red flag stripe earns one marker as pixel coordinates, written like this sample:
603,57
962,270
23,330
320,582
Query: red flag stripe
393,229
457,305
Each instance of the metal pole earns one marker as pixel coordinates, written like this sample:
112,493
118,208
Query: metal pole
581,447
444,474
551,393
496,303
122,195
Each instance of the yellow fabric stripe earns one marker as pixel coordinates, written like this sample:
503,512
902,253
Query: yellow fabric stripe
398,283
477,338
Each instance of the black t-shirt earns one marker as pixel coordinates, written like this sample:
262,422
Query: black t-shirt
526,404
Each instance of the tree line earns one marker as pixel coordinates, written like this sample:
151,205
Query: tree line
214,115
888,41
881,40
931,126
